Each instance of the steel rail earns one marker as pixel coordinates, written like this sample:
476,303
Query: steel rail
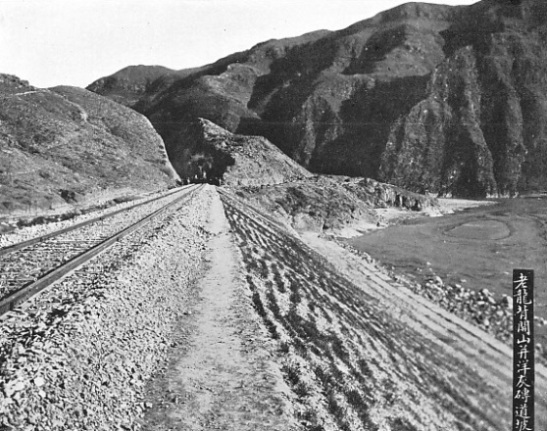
26,292
32,241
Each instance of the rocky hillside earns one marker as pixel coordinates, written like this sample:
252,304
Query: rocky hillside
128,85
213,153
66,144
450,100
332,204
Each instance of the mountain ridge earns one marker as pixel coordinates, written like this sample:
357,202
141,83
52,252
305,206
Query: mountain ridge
433,98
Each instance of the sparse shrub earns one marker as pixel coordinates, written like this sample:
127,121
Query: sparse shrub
339,349
302,390
336,409
364,368
264,270
401,424
279,281
354,397
295,297
292,372
322,376
361,408
332,404
274,306
284,347
294,319
252,264
259,307
300,347
310,416
316,350
309,329
390,394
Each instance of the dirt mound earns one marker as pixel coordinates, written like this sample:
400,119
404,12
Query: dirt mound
65,144
332,203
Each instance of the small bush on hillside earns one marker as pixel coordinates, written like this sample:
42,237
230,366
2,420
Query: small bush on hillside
302,390
401,424
284,347
292,373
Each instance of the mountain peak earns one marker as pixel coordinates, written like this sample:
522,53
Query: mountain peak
429,97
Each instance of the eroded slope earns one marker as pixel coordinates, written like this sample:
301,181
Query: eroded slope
333,204
65,144
372,355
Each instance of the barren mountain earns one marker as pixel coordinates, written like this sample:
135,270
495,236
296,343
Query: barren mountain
262,174
65,144
128,85
451,100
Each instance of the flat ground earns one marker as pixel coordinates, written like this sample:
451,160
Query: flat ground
477,248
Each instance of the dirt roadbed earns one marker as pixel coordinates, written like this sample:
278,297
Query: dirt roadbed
222,376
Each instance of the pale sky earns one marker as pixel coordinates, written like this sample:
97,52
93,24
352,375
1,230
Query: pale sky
74,42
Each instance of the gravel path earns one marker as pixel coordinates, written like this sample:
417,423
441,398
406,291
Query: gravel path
222,377
78,357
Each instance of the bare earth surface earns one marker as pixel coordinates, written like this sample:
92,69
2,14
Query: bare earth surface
276,340
488,357
477,249
223,377
220,319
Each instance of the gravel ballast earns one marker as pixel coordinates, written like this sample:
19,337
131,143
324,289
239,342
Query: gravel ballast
78,357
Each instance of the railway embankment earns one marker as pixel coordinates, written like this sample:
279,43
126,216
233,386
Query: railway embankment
217,317
79,355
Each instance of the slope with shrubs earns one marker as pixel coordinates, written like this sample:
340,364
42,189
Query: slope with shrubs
66,144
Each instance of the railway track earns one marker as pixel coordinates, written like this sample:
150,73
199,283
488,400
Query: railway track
29,267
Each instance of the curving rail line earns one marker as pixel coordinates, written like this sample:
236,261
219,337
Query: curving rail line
29,267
